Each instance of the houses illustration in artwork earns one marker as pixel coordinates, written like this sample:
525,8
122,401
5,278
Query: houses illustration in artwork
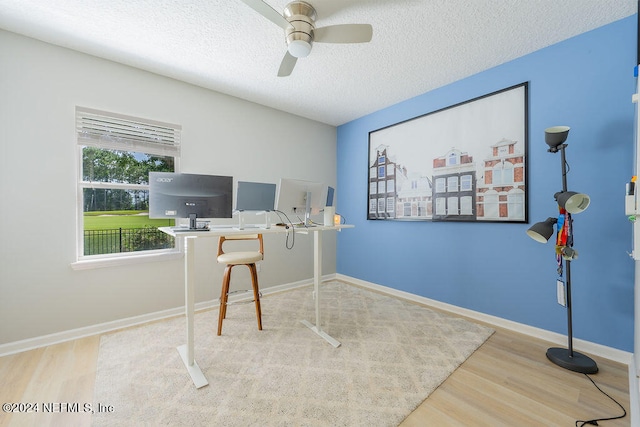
459,189
501,192
454,195
382,186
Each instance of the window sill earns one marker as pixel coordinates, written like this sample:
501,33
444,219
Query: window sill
125,260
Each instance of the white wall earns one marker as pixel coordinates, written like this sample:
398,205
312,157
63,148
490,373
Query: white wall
40,86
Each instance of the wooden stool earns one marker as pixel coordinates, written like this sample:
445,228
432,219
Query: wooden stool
231,259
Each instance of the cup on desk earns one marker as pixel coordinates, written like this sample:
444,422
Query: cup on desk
329,212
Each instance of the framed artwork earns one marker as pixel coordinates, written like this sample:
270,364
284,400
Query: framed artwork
466,162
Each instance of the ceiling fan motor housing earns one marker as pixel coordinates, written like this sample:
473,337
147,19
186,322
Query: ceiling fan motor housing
301,16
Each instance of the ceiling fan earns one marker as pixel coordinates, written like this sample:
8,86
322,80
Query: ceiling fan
298,22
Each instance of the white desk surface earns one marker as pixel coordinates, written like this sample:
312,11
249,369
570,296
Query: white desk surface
225,230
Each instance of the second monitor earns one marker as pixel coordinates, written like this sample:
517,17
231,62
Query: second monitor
257,197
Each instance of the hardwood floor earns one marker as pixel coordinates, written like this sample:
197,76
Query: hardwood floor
506,382
61,373
509,382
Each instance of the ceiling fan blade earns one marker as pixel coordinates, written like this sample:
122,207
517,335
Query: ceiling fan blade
346,33
287,64
268,12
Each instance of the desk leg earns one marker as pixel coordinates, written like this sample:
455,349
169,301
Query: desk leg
186,350
317,276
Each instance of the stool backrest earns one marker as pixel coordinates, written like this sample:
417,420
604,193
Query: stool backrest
237,237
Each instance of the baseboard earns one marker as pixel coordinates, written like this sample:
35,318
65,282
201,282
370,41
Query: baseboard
73,334
595,349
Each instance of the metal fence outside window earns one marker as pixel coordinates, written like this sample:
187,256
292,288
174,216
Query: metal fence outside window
97,242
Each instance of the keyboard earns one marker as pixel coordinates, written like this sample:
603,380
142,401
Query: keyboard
187,229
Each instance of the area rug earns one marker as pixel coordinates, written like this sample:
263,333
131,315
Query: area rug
393,355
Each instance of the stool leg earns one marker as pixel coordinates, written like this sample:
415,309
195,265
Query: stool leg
224,296
256,294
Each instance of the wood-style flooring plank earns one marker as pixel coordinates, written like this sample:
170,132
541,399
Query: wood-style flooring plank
509,381
51,377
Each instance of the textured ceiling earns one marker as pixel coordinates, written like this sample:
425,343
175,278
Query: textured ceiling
417,45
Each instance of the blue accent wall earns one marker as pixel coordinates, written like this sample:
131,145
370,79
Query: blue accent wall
586,83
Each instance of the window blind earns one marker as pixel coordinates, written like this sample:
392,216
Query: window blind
118,132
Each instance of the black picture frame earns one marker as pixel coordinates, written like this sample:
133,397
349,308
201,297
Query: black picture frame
466,162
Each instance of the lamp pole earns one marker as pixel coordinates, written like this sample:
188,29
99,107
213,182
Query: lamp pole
567,358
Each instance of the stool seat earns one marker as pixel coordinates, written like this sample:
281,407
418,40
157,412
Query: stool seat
236,258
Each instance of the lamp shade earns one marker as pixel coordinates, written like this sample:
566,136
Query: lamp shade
573,202
555,136
542,231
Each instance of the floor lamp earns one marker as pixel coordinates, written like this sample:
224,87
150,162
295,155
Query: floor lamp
568,203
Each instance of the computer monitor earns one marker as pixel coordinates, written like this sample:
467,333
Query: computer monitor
255,196
183,195
301,198
330,191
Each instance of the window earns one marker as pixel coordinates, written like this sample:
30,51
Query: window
407,209
452,184
381,172
381,187
452,159
515,199
372,206
390,204
466,205
441,206
440,185
503,174
391,186
491,208
452,206
373,187
466,183
381,205
115,155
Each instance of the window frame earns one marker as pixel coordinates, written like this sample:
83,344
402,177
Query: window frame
391,204
391,186
144,145
466,183
382,187
453,183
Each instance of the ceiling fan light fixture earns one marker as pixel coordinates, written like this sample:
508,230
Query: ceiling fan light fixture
299,48
298,22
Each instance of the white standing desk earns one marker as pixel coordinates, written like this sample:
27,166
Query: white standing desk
188,239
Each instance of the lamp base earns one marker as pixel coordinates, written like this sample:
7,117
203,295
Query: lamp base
578,362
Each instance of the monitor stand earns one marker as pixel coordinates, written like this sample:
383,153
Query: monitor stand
193,223
267,219
241,222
